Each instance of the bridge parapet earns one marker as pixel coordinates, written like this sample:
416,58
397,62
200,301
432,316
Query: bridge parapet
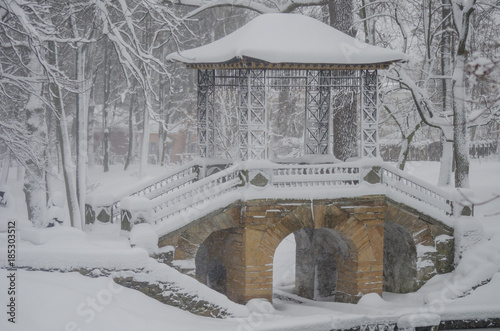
405,188
274,180
109,207
199,182
225,181
416,189
288,176
255,174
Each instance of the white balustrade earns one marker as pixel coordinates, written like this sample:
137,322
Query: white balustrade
286,176
184,189
417,190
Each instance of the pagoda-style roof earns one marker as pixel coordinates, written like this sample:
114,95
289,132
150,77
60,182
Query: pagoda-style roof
287,41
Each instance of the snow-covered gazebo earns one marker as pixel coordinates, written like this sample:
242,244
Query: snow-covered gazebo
282,50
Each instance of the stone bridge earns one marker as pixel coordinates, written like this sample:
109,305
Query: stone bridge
346,247
359,228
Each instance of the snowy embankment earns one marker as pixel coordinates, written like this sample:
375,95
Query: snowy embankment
68,248
70,301
54,301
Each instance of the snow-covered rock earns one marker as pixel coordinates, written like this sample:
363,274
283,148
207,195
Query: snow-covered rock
144,236
138,210
260,306
371,299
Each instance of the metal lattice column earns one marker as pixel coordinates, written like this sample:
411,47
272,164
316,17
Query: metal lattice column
252,115
317,112
369,117
206,113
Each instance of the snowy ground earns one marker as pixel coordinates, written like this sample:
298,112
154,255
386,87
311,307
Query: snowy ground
70,301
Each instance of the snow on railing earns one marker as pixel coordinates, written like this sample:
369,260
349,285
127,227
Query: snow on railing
237,176
184,176
155,188
222,182
186,188
416,189
286,176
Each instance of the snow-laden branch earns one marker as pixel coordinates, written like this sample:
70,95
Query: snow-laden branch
425,108
256,6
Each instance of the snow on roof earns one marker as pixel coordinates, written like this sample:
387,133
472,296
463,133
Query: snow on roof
288,38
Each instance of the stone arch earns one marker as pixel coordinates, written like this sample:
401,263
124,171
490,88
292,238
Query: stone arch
434,241
400,259
265,241
213,258
190,239
361,273
217,275
322,256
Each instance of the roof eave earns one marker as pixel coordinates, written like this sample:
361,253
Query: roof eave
250,63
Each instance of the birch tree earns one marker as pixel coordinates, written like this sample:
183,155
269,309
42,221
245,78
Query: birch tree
462,11
439,88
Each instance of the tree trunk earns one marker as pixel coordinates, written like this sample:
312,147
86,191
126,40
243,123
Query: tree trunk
34,181
147,108
461,142
5,169
105,120
162,132
341,16
461,148
91,130
145,140
65,144
405,148
369,27
446,166
345,117
130,150
82,127
344,108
